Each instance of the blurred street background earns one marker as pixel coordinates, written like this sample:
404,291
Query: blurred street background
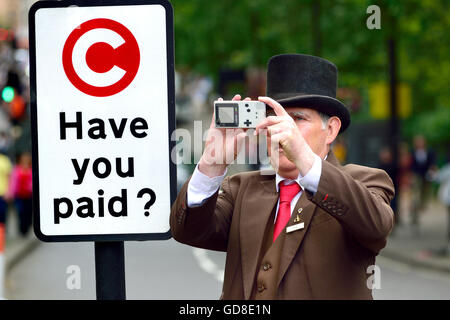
393,78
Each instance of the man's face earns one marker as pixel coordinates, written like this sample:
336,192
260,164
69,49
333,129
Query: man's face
310,125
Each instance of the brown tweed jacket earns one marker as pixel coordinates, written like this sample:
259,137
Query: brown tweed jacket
346,224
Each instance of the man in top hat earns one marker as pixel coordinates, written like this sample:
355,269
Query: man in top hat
312,229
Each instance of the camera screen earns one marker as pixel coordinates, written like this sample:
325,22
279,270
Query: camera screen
226,114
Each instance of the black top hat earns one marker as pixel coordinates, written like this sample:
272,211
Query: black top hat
299,80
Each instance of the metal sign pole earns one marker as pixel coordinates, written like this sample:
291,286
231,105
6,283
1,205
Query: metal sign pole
110,270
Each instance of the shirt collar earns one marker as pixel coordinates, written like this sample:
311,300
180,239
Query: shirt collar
279,178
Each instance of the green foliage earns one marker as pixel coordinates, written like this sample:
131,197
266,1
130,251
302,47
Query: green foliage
210,35
433,125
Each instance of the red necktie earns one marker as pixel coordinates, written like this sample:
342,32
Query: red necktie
287,193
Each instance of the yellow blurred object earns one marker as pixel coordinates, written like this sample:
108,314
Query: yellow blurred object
340,151
5,171
379,100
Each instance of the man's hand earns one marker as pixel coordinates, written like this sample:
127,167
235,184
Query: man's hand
221,147
282,131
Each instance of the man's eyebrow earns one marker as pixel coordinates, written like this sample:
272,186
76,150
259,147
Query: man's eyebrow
292,113
298,114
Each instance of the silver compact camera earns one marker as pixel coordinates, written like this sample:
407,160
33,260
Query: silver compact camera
239,114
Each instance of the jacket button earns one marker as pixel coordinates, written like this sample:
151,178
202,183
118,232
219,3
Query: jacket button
267,266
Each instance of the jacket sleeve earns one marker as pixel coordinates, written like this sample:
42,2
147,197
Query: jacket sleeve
359,198
205,226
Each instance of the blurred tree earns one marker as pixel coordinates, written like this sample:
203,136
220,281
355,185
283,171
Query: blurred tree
211,35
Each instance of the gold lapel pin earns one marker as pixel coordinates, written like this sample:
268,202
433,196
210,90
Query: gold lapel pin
297,219
299,210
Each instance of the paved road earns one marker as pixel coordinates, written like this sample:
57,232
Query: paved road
169,270
154,270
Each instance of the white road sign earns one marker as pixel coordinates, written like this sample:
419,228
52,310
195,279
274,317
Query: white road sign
102,113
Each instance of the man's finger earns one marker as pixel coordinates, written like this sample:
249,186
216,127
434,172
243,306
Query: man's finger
271,120
275,129
279,110
236,97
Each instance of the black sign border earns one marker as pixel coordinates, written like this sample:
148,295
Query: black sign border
34,129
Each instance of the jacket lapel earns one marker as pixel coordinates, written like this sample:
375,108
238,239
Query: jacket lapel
256,210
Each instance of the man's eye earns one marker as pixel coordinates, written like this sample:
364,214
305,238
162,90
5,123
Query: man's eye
298,118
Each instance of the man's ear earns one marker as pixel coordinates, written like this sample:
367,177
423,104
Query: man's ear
334,125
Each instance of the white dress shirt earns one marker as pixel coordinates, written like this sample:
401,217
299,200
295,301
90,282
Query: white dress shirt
201,187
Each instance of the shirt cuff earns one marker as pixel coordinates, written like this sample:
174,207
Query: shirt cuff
201,187
311,180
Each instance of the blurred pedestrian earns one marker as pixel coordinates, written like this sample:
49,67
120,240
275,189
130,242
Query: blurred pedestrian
5,171
423,165
386,163
21,191
405,165
405,181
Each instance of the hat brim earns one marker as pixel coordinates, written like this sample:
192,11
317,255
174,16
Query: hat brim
327,105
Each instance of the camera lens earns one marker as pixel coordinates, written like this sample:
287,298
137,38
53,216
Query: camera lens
246,104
